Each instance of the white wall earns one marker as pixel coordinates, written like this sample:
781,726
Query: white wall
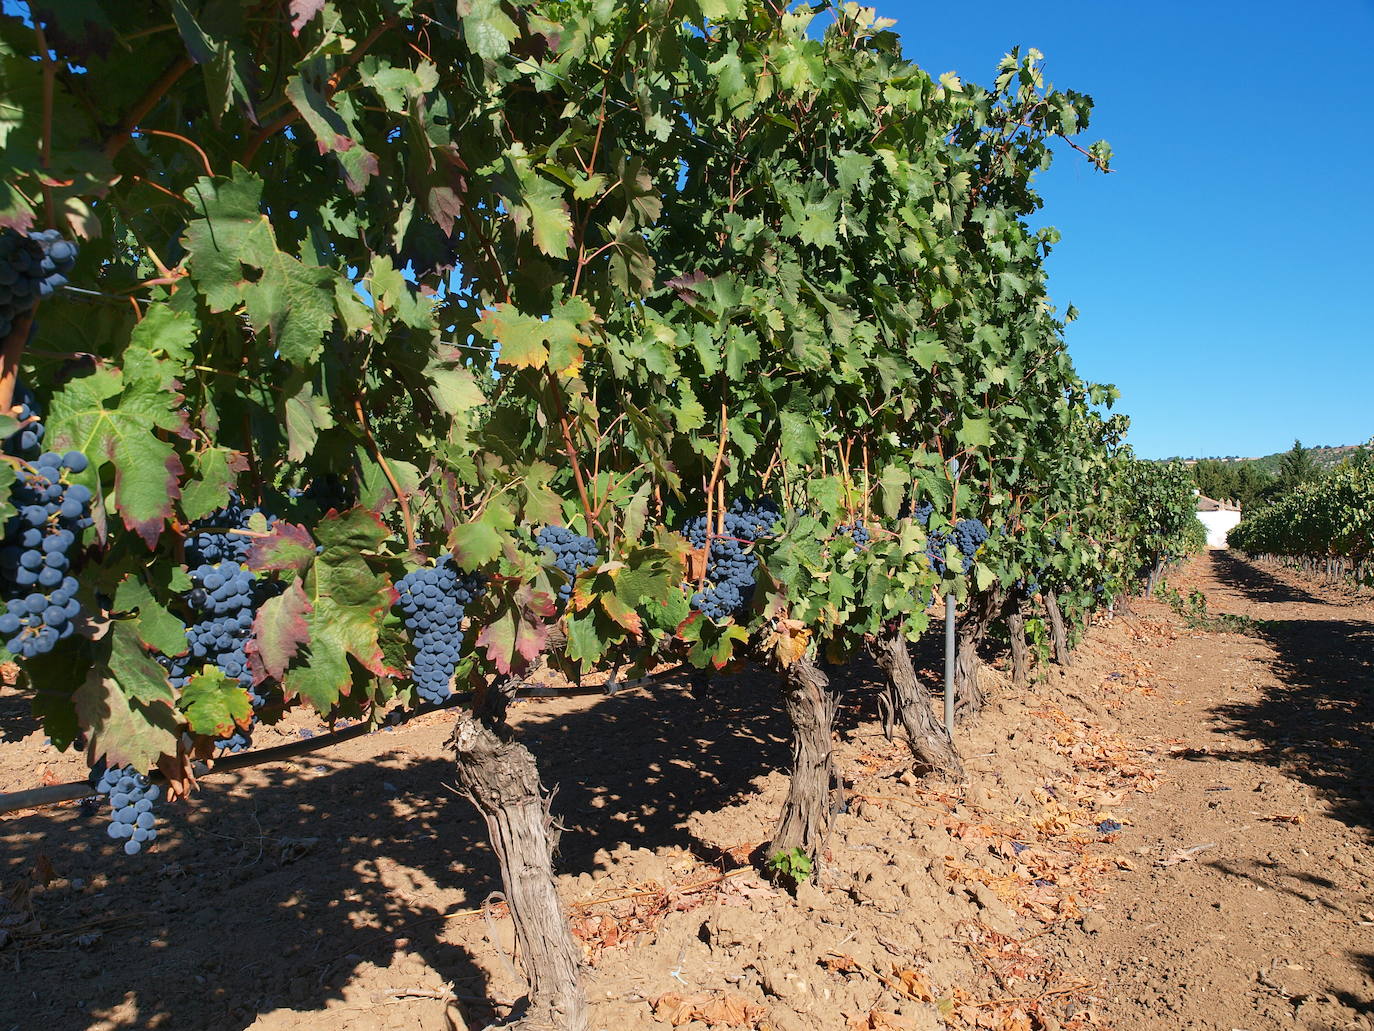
1218,523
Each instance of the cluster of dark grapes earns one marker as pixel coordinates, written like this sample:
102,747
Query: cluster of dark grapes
921,513
572,553
210,540
131,807
223,600
857,531
25,443
330,493
36,554
935,550
730,565
969,535
31,268
433,601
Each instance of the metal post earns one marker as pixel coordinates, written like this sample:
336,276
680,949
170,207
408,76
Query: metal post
949,665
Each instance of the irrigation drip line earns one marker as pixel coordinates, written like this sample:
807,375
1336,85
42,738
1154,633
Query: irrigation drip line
54,794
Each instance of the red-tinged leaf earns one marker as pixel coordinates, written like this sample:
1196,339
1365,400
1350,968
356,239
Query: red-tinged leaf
279,631
497,638
530,639
288,546
347,600
537,603
622,613
126,707
112,415
301,13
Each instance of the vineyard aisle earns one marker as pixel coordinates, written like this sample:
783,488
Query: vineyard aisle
1251,905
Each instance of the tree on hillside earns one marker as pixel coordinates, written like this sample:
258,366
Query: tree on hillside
1296,467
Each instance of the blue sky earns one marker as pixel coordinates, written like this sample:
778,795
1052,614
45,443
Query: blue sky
1225,272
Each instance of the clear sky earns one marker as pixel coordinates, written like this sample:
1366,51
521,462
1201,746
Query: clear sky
1225,272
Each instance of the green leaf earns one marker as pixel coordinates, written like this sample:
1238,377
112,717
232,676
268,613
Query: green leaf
234,260
157,628
486,28
113,415
307,414
214,705
974,432
798,437
216,472
125,706
346,602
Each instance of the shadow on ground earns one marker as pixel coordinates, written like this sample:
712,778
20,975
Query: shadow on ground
1318,724
269,896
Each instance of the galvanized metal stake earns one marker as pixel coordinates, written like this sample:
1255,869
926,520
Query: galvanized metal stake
949,665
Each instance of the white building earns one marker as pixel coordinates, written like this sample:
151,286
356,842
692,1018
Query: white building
1218,516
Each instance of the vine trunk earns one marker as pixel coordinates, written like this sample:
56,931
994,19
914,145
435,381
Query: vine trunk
810,704
908,699
498,775
1016,631
1058,634
969,697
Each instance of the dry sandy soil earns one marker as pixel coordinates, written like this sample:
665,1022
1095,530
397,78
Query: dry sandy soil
349,890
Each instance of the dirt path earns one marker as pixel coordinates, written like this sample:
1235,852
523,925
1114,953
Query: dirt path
345,891
1251,905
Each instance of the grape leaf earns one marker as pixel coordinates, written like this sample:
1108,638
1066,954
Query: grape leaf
286,546
110,416
157,628
214,704
125,706
279,630
216,472
346,601
235,260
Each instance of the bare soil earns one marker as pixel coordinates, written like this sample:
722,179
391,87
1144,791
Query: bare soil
350,890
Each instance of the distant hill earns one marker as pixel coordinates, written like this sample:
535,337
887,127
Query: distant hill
1325,457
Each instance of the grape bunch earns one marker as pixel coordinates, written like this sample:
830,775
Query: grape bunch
329,493
921,512
969,534
210,543
433,600
224,598
935,550
857,531
31,268
572,553
36,554
131,807
24,444
730,566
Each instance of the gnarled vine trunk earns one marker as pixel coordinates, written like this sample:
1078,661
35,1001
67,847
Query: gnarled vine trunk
498,775
1058,634
810,704
1016,632
968,693
909,701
